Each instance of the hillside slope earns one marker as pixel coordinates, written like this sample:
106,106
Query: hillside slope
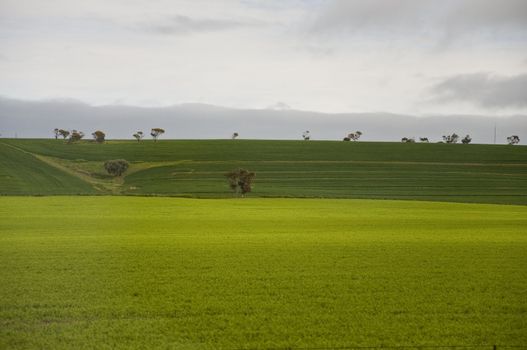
274,150
23,174
195,168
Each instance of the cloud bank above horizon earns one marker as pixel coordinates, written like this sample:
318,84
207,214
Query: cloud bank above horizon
410,56
37,119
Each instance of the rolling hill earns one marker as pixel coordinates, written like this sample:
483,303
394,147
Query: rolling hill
321,169
21,173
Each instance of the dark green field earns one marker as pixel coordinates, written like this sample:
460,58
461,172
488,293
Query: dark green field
22,173
325,169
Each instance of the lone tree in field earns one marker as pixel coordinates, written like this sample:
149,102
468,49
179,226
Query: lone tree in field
98,136
139,136
424,139
75,136
240,180
454,138
116,167
306,135
513,140
56,132
156,132
64,133
234,136
466,140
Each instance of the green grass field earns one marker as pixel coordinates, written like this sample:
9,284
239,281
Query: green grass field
325,169
134,272
126,272
22,173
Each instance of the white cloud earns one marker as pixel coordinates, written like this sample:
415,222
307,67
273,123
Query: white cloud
279,106
334,56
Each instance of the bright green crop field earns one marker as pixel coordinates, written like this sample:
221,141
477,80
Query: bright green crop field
114,272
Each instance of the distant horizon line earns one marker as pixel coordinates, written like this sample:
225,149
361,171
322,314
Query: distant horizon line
88,140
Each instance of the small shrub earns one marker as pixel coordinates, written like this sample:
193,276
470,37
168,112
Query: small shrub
116,167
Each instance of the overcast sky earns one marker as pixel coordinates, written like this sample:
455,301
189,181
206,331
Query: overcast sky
417,57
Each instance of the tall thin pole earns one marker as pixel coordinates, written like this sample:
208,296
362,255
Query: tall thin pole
494,133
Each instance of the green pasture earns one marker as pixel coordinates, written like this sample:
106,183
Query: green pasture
436,182
107,272
316,169
273,150
22,173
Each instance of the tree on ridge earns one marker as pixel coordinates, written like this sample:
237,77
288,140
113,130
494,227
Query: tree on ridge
98,136
139,136
156,132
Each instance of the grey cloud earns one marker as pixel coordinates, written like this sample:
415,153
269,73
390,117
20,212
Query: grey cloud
483,89
198,121
358,14
448,19
184,25
489,12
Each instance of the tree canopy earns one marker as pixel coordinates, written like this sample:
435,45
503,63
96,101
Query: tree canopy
454,138
240,180
466,140
75,136
156,132
98,136
116,167
139,136
63,133
353,136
